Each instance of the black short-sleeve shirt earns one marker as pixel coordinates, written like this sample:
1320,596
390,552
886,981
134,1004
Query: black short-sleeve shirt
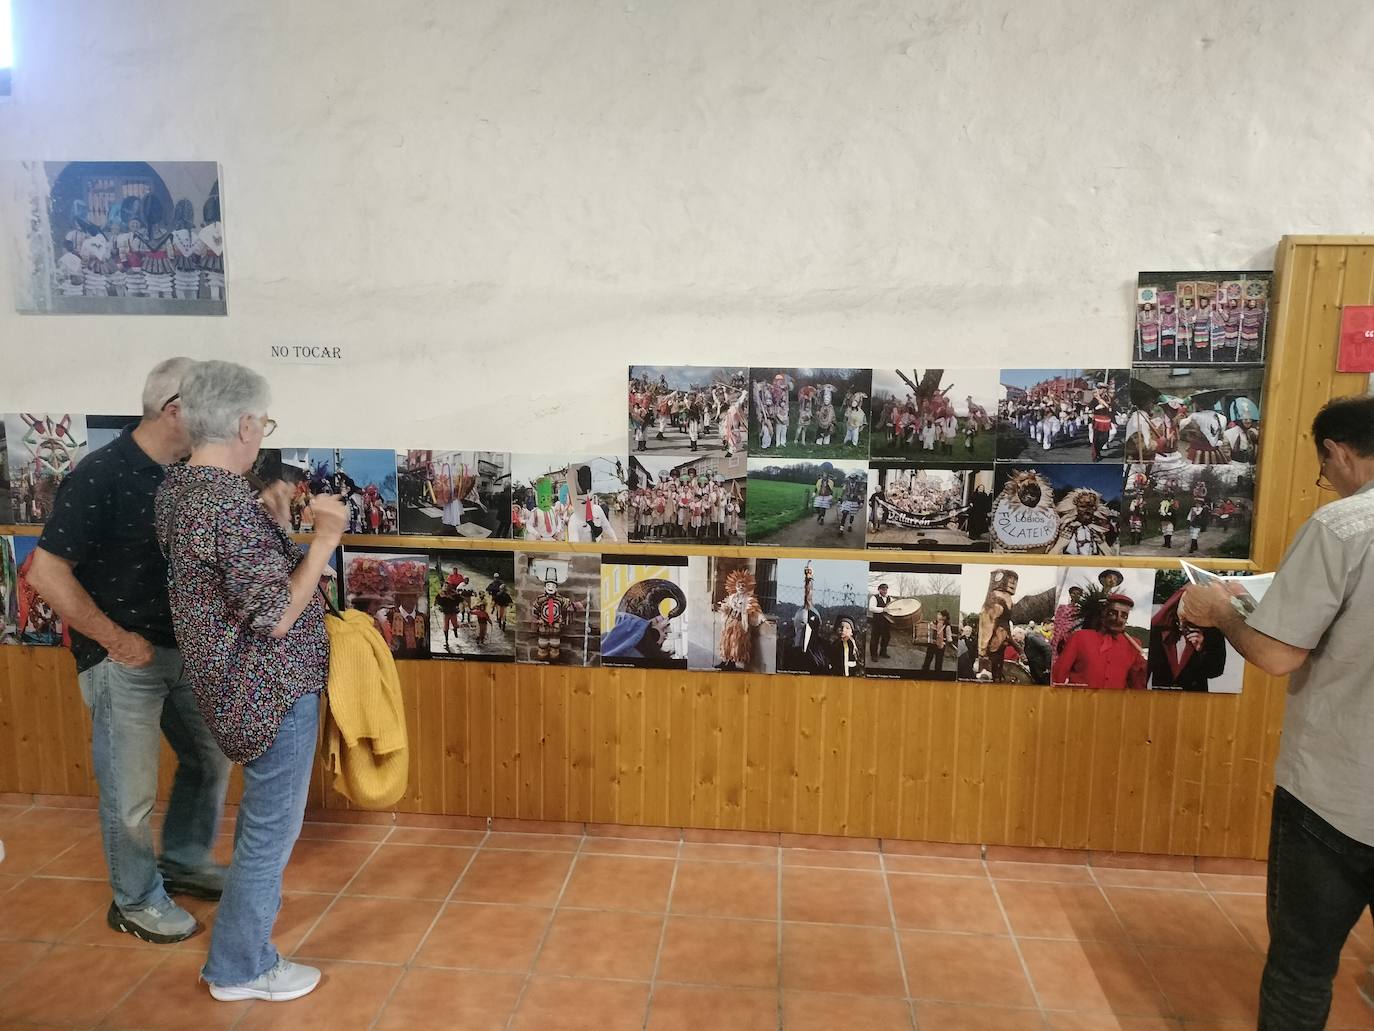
102,522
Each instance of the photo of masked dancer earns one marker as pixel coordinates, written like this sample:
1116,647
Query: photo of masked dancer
1192,445
471,603
1184,657
1062,415
688,409
821,616
644,611
365,479
996,607
581,500
809,413
1106,646
820,504
732,619
677,498
934,416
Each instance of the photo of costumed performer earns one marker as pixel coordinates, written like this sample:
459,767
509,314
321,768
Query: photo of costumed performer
645,631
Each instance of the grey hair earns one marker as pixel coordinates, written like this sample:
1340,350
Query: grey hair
216,395
163,384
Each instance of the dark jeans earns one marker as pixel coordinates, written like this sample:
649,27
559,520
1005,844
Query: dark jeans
935,657
1320,882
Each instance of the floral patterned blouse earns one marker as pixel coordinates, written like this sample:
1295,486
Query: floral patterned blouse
228,567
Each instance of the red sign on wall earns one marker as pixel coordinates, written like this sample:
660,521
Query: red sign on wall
1357,339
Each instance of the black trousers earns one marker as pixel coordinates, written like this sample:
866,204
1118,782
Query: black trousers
880,633
1320,883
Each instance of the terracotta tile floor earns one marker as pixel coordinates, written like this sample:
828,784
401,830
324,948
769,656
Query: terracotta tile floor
418,928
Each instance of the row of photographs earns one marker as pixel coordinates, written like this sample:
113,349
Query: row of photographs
926,416
1189,487
1095,627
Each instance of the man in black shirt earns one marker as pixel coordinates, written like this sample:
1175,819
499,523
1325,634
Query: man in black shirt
99,566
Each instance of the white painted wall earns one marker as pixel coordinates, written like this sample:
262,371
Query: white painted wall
496,205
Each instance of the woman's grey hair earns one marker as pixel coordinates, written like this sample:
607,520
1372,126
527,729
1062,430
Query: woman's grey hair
216,395
163,384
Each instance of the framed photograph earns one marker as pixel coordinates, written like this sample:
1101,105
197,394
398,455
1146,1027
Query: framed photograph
472,605
579,499
1102,627
393,588
123,238
558,608
1062,415
1057,509
364,478
688,410
930,508
106,429
645,614
807,503
810,413
732,614
41,448
914,631
822,616
9,593
28,618
1006,617
454,493
1202,318
935,416
698,499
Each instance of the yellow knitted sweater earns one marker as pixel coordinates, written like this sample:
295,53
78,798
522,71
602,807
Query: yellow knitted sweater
365,722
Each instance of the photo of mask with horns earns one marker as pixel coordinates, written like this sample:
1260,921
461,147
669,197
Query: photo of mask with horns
644,611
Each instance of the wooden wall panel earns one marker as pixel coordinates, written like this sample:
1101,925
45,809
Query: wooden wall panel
1185,774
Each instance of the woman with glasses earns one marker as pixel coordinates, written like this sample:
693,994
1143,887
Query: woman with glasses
250,623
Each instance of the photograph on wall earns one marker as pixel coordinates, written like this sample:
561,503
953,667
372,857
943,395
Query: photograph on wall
1184,657
645,617
732,614
1101,627
807,504
329,579
581,500
700,499
810,413
122,238
1057,509
454,493
8,514
929,508
1006,617
365,478
1062,415
9,593
472,605
1192,443
393,588
821,609
913,621
42,449
688,409
34,621
935,416
106,429
1201,318
558,608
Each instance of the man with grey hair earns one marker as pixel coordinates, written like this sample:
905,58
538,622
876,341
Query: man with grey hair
99,565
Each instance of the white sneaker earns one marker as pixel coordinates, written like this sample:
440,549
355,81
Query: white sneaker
284,982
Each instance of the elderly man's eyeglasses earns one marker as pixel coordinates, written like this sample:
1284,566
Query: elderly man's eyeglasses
163,407
1322,482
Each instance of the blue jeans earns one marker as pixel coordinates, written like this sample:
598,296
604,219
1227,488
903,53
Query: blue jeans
1320,883
270,815
131,710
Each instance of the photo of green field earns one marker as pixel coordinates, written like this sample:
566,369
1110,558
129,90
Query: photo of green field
782,504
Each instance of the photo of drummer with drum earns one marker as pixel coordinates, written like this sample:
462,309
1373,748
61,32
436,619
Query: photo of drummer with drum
913,621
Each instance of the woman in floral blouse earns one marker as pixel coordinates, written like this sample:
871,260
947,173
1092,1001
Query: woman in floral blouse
250,624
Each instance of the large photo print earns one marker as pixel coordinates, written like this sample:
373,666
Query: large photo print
122,238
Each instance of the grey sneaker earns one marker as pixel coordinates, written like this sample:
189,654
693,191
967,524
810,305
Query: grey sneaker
284,982
160,925
199,884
